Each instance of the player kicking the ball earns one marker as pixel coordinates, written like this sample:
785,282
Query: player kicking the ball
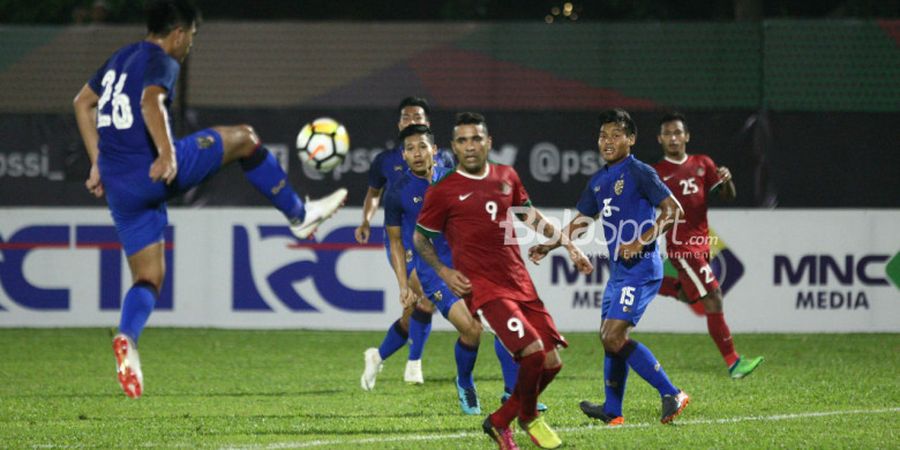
692,178
472,208
122,115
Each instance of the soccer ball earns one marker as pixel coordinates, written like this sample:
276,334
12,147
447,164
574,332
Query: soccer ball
323,144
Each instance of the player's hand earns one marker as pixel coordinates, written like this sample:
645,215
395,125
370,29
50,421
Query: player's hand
93,184
537,252
456,281
631,249
581,261
407,297
362,233
164,168
724,174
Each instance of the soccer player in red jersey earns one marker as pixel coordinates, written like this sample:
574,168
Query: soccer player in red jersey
692,178
473,208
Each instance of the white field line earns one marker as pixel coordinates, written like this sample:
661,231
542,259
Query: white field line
588,428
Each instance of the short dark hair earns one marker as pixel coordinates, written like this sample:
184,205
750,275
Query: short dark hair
471,118
671,117
415,101
415,129
163,16
621,117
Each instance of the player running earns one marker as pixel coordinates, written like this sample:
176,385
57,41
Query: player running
122,115
472,208
387,167
624,194
692,178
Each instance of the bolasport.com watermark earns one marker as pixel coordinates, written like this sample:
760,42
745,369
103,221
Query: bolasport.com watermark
614,234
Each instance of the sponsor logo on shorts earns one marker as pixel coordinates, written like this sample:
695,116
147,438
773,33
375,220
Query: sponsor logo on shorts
204,142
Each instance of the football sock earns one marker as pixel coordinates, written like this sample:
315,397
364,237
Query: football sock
266,175
721,335
615,375
465,363
136,309
419,330
508,366
645,364
393,340
547,377
525,393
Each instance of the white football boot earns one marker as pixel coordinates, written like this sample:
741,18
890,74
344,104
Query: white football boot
317,211
413,372
128,366
373,368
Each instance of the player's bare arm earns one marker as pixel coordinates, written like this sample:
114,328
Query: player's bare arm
85,105
727,190
156,118
456,281
573,231
370,205
670,213
407,298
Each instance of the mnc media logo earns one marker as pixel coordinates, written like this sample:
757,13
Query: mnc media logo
38,295
835,281
322,269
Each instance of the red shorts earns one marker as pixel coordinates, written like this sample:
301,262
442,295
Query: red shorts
695,276
518,324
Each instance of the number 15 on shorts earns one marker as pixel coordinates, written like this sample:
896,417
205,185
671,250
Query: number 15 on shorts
627,297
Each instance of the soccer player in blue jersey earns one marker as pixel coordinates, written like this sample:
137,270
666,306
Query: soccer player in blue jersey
414,325
401,208
624,195
122,115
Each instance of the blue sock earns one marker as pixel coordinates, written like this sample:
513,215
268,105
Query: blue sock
264,173
419,330
508,366
615,374
136,309
645,364
465,363
393,340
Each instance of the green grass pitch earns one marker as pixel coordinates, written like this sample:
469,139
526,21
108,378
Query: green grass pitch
299,389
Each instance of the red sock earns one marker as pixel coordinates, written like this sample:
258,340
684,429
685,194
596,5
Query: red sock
721,335
523,402
547,376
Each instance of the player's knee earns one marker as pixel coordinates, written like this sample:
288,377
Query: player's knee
612,341
712,303
534,347
151,283
244,140
552,360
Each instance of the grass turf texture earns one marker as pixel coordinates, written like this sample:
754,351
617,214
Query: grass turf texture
285,389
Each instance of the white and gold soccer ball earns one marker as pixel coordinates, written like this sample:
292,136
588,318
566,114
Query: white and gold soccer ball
323,144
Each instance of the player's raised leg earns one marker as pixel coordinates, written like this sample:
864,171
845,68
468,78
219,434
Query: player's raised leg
738,366
241,143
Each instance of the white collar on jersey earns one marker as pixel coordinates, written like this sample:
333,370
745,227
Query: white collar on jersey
473,177
677,162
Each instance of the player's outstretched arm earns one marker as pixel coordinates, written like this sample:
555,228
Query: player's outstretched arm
156,118
370,205
456,281
398,253
573,231
85,105
670,214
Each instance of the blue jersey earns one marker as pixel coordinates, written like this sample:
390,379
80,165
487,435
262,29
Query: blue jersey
401,208
120,83
389,165
625,197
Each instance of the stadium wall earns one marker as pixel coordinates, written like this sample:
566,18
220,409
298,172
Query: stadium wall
782,271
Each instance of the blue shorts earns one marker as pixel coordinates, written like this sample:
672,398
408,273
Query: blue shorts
628,299
137,204
443,299
410,261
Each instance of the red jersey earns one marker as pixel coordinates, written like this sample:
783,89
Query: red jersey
690,181
471,212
